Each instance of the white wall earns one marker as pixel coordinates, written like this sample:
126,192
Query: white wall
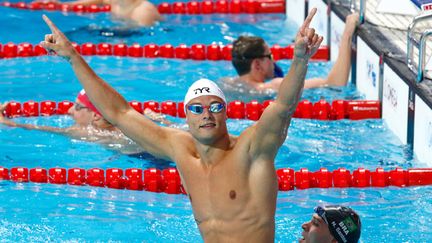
336,31
395,103
367,76
423,131
295,10
320,20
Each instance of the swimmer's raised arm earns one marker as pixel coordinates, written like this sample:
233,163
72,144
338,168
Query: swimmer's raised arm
113,107
272,128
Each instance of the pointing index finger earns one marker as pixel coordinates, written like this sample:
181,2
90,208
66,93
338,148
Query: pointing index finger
50,24
308,19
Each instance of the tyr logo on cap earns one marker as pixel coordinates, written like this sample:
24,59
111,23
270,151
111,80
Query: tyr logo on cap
203,87
201,90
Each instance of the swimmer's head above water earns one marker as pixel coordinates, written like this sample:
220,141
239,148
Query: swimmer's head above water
203,87
250,54
205,109
332,223
84,99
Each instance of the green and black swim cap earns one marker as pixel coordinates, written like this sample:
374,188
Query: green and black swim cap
344,223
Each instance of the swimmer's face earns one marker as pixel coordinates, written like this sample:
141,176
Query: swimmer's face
267,63
316,231
82,115
208,126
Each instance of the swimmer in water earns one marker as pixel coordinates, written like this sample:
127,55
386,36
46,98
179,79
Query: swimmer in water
91,126
231,180
332,224
139,12
253,61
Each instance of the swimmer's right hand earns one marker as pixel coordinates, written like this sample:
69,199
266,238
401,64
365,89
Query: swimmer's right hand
56,41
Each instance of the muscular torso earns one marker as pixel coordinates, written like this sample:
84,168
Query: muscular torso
233,198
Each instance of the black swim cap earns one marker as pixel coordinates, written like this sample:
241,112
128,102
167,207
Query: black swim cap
344,223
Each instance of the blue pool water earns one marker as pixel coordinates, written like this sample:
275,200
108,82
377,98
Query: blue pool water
204,29
45,212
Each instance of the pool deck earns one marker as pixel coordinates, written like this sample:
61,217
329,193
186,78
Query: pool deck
388,32
393,26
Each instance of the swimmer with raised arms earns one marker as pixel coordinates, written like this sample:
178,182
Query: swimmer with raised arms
231,181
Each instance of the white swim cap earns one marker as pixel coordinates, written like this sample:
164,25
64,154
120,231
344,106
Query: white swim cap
203,87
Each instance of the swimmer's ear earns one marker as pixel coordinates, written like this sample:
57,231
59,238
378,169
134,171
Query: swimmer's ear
97,117
255,64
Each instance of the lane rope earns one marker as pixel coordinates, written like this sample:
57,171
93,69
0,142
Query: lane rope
168,180
197,52
321,110
190,8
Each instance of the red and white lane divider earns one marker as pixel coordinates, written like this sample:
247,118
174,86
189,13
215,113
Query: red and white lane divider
168,180
191,7
321,110
198,52
53,6
304,179
223,7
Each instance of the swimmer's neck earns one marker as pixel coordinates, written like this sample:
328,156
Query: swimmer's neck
255,82
251,79
210,153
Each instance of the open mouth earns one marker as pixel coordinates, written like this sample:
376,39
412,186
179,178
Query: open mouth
208,125
302,239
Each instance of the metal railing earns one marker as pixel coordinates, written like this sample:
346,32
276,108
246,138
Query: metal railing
419,44
353,7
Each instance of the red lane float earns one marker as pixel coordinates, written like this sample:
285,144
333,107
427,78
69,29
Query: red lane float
53,6
76,176
38,175
321,110
342,178
168,180
192,7
198,52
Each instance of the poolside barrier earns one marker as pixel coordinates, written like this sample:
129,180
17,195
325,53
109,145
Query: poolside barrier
197,52
191,7
321,110
168,180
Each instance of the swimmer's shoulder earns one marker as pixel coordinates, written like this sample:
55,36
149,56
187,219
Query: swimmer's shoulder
230,79
274,83
150,9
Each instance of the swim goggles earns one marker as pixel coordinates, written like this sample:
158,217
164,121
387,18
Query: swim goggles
269,56
321,212
79,107
199,109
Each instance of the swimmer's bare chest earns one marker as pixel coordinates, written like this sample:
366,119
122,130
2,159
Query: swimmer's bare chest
220,192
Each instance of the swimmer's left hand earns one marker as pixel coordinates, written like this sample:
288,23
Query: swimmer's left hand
57,41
